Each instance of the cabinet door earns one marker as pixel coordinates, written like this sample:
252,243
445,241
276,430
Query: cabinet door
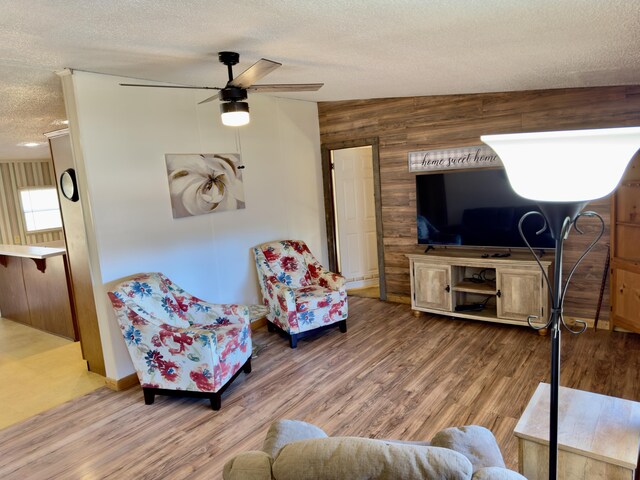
625,251
519,293
625,295
432,286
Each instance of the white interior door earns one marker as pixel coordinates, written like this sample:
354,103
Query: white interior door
355,215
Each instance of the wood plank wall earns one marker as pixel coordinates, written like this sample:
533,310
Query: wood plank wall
408,124
15,175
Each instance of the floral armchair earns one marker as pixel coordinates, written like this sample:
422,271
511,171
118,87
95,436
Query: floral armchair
179,344
302,296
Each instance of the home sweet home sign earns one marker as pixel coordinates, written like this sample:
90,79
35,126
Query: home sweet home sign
453,158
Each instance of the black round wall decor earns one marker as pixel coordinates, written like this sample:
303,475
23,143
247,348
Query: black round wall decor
69,185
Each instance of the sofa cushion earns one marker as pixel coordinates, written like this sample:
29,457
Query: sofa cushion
252,465
339,458
497,473
476,443
286,431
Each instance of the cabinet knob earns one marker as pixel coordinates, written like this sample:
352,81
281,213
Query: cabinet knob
498,294
447,288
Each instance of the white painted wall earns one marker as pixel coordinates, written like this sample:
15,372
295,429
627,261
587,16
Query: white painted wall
124,134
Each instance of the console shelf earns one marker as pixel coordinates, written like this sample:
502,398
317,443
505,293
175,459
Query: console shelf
473,287
509,291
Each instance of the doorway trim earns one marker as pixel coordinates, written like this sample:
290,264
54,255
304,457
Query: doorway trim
330,208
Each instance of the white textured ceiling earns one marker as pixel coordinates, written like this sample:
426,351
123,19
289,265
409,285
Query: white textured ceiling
359,49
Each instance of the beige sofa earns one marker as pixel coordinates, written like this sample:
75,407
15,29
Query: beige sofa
295,450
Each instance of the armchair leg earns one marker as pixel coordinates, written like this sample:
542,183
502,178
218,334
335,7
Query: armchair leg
216,401
343,326
149,396
293,340
246,368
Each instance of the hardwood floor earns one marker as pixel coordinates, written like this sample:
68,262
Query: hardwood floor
391,376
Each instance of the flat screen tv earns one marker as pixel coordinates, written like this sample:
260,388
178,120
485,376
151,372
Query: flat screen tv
475,208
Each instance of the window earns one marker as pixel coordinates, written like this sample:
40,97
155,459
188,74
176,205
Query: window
40,208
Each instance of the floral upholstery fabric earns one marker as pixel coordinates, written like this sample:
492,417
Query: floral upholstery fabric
287,263
177,341
301,294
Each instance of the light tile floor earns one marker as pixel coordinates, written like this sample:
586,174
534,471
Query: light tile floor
367,292
39,371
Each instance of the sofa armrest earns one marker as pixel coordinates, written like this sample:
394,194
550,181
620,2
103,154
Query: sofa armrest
282,432
475,442
252,465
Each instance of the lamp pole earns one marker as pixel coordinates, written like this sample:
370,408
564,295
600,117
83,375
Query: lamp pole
560,217
555,363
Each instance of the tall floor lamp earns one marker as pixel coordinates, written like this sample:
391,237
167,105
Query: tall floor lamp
562,172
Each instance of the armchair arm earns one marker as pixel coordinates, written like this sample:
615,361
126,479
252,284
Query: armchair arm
324,277
283,293
321,275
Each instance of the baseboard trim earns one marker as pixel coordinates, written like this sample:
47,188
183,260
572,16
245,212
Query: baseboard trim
261,322
123,383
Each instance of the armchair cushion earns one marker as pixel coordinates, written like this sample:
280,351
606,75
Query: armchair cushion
315,297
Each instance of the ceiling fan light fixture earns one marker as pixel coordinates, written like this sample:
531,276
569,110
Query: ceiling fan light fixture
234,114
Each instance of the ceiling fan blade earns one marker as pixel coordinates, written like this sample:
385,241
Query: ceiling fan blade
254,73
167,86
287,87
209,99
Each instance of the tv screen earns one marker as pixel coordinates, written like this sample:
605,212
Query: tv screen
475,208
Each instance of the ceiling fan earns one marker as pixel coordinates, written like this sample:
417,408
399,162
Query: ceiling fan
234,111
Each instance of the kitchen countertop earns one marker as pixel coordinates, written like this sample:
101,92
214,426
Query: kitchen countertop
28,251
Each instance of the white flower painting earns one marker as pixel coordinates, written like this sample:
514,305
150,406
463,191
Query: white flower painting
204,183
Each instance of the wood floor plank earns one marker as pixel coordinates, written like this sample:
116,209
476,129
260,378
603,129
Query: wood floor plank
391,376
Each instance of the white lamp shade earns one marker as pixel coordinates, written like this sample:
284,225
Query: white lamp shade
234,114
568,166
